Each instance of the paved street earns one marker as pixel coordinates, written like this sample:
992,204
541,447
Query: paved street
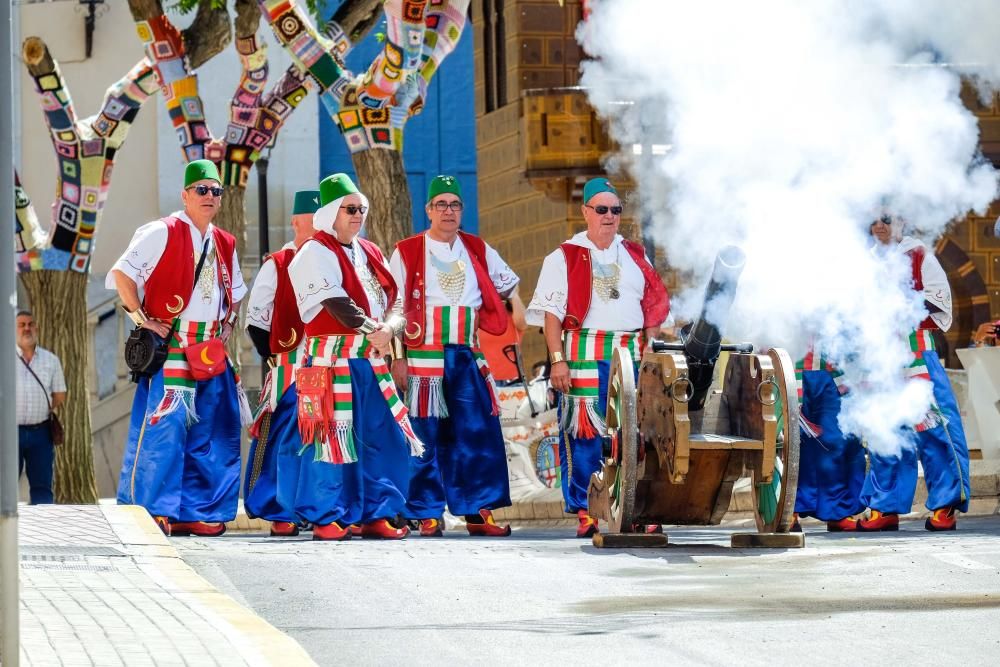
540,597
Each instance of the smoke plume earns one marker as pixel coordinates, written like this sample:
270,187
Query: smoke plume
785,127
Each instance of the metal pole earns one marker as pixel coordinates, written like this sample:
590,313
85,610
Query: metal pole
263,238
9,575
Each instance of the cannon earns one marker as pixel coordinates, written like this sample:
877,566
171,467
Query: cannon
679,438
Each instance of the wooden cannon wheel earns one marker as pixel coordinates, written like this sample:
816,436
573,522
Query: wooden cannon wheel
774,503
623,430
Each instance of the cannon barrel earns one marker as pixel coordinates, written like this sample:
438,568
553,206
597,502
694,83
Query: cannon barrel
703,342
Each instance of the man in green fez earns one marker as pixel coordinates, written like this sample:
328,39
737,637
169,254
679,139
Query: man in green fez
182,459
593,289
453,284
276,329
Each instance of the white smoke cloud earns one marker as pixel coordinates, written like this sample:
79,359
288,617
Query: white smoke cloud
782,127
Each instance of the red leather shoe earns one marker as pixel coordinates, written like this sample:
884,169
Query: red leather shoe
943,518
846,525
796,527
355,530
653,529
877,521
163,523
383,530
197,528
588,525
331,532
486,526
431,528
284,529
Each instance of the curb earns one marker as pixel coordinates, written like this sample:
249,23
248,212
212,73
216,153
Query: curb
257,641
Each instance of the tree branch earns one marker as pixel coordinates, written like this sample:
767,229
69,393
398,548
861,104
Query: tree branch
205,38
122,102
57,104
351,23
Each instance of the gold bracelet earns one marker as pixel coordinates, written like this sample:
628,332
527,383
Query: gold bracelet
138,316
556,357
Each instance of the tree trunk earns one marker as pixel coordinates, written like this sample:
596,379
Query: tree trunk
59,304
232,217
382,178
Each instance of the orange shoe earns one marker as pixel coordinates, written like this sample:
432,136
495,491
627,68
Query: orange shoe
431,528
484,525
163,523
383,530
197,528
331,532
877,521
653,529
943,518
588,525
355,530
284,529
846,525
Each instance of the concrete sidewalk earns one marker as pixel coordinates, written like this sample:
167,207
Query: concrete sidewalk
101,585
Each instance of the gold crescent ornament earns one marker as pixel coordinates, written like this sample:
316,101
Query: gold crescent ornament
205,359
416,334
290,341
178,308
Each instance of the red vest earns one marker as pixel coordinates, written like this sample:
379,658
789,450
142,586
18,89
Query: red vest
916,256
655,301
168,289
325,324
286,323
492,314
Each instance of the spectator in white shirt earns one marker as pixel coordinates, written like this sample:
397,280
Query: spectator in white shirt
41,389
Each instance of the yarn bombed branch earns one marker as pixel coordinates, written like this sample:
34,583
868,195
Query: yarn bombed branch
255,116
53,265
371,108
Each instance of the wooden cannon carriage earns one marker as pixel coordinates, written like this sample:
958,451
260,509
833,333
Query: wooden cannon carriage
678,442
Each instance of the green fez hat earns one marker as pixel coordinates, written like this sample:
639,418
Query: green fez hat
443,184
306,201
334,187
332,191
596,186
199,170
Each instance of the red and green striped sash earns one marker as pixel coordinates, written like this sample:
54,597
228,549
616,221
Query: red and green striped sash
446,325
178,383
817,362
582,417
921,341
279,378
333,437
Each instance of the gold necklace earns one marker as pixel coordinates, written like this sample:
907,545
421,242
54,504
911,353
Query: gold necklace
605,279
206,281
373,288
451,276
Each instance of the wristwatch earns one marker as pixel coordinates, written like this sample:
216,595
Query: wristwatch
138,315
556,357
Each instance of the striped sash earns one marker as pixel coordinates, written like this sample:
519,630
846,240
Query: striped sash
178,383
279,378
582,417
331,430
921,341
446,325
817,362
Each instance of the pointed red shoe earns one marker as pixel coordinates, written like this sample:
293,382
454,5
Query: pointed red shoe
355,530
877,521
431,528
588,525
943,518
197,528
383,530
163,523
653,529
796,527
331,532
846,525
284,529
486,526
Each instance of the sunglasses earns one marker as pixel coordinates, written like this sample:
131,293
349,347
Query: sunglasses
352,209
602,209
442,206
202,190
